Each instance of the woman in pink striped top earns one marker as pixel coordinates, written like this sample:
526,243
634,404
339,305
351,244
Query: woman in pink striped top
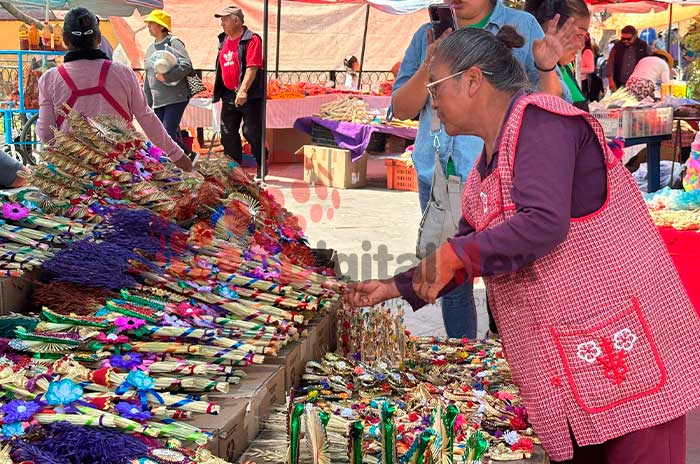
91,84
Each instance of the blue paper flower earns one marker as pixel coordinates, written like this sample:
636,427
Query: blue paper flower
140,380
226,292
63,392
13,429
18,410
132,411
125,362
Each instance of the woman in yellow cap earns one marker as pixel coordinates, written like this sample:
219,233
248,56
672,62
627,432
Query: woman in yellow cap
649,74
167,65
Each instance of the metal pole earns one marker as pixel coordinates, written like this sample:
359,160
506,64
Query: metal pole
279,27
263,156
364,46
668,33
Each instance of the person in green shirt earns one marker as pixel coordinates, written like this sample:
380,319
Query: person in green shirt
546,10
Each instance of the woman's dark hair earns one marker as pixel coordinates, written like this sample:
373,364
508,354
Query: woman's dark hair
350,61
491,53
545,10
81,29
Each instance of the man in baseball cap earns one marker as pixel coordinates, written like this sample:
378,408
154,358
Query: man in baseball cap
239,85
230,10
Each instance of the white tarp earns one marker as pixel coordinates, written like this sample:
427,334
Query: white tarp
313,36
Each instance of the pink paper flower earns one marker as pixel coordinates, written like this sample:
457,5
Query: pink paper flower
155,152
14,211
128,323
187,310
112,339
115,192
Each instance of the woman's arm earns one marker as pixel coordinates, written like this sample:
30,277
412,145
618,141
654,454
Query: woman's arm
665,73
404,281
152,126
47,114
409,93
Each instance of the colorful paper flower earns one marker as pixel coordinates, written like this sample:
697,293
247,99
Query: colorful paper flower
13,429
132,411
112,338
227,292
185,309
155,152
523,444
140,380
128,323
18,410
126,362
115,192
63,392
14,211
511,437
171,320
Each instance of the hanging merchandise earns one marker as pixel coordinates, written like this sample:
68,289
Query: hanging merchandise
691,180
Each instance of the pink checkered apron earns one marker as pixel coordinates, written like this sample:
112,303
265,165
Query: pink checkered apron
599,333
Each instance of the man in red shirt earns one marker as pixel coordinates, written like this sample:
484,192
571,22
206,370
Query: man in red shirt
239,85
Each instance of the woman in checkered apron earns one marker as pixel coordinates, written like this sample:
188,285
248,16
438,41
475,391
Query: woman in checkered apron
599,333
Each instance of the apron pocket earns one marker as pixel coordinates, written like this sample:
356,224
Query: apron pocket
612,361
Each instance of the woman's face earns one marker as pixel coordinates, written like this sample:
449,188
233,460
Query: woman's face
582,24
156,30
450,98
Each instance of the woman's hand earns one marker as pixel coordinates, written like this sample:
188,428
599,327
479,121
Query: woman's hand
555,43
184,163
160,77
433,43
435,272
370,292
23,175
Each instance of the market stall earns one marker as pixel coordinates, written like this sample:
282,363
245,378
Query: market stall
281,112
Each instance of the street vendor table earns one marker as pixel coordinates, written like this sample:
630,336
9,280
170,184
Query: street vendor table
684,248
351,136
281,113
653,144
538,456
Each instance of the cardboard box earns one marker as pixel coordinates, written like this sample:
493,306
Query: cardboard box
15,292
333,167
264,387
284,144
319,341
229,435
292,361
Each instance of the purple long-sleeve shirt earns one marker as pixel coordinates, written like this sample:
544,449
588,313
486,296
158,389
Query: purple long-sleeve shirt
559,174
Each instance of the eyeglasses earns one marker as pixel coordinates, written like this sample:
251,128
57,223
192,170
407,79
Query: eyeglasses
626,39
433,86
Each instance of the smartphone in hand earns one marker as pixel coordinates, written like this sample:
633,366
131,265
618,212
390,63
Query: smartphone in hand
442,18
